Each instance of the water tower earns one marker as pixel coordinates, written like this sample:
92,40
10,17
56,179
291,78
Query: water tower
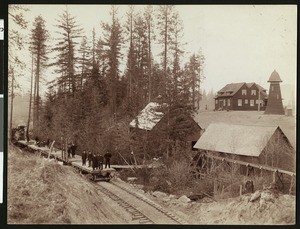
274,105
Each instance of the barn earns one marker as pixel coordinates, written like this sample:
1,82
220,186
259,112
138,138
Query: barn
155,122
241,96
262,145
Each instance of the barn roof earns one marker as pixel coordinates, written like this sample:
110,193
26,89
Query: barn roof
274,77
235,87
243,140
148,117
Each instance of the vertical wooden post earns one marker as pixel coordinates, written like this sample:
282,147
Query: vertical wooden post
274,176
241,189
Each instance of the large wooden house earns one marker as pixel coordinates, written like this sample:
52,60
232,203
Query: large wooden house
241,96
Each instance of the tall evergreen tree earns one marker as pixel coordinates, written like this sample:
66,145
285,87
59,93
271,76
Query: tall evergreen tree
16,42
194,75
70,32
165,27
113,42
38,46
84,60
149,20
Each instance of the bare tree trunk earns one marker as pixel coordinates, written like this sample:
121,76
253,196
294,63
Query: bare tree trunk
38,90
34,106
30,99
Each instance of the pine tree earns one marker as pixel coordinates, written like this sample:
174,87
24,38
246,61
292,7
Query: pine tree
38,47
113,41
70,32
194,74
176,48
148,15
165,27
16,42
130,63
84,60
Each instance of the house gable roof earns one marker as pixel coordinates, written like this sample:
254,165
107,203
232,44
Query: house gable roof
236,139
235,87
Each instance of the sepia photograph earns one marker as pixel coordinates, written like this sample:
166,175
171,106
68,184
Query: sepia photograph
151,114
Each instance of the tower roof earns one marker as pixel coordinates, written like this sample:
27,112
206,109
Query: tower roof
274,77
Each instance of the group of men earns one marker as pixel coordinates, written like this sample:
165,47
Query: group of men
71,150
96,160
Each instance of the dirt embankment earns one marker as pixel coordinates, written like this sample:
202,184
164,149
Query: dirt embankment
42,191
266,208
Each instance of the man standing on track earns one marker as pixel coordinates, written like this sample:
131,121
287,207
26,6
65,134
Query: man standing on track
83,156
107,157
95,161
90,158
73,149
100,161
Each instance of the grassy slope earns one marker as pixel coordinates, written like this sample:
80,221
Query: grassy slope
42,191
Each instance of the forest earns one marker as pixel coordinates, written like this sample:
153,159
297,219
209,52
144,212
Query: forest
91,102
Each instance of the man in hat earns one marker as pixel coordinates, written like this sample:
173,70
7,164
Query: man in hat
84,156
90,158
107,157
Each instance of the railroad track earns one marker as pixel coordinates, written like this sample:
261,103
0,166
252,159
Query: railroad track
158,214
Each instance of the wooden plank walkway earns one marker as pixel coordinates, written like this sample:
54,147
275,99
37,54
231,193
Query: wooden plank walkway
77,161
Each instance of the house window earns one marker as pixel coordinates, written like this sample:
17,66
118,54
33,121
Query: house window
240,102
251,102
246,101
216,101
272,88
253,92
244,92
277,96
228,103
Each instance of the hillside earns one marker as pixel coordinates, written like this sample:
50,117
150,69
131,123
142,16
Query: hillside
44,192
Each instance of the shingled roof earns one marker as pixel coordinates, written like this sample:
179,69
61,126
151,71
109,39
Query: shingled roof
274,77
235,87
148,117
243,140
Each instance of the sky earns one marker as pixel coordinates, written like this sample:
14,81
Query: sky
240,43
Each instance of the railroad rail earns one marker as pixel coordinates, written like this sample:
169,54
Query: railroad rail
137,214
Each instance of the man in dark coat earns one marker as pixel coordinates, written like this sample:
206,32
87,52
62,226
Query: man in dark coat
100,160
95,161
83,156
107,157
73,149
90,158
69,150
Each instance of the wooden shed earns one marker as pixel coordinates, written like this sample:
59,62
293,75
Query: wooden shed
262,145
154,121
